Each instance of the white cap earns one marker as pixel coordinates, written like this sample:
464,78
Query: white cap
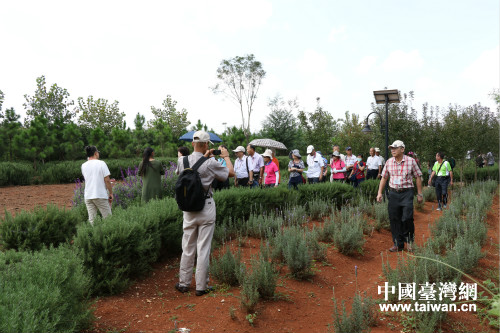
336,153
239,148
377,150
201,136
268,153
397,144
310,148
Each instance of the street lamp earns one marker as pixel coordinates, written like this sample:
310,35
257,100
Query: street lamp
383,97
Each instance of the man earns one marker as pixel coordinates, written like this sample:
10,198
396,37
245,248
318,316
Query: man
374,165
256,164
350,159
377,153
316,166
241,168
401,170
96,175
490,158
444,174
198,227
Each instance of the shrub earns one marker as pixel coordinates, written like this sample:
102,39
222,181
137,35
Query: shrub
382,216
327,232
226,268
265,276
45,291
429,194
40,228
262,225
296,253
294,215
336,193
348,236
249,294
317,251
360,319
16,173
318,208
369,188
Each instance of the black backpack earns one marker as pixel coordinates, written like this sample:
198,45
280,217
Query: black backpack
452,163
189,192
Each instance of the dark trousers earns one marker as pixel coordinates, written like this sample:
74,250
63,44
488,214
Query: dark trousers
372,174
357,182
313,180
401,216
442,190
294,182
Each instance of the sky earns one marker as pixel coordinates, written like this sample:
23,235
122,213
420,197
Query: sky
137,53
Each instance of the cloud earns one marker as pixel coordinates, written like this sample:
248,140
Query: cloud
400,60
366,64
312,62
337,33
484,71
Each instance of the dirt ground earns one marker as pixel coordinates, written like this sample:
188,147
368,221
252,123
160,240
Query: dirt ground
153,305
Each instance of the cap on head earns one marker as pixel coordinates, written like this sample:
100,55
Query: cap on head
268,153
296,153
310,149
377,150
397,144
348,148
239,149
336,153
201,136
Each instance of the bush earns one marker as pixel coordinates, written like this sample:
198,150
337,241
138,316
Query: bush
369,188
318,208
348,236
38,229
429,194
359,320
327,232
336,193
46,291
317,251
16,173
226,268
382,216
296,253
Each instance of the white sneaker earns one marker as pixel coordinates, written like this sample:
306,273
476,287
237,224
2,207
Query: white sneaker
444,206
439,208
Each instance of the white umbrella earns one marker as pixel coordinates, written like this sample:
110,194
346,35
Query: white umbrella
268,143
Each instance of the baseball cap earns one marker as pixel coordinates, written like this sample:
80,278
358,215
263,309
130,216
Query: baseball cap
239,148
201,136
336,153
377,150
348,148
397,144
310,148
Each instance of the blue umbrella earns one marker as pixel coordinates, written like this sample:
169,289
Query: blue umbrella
189,137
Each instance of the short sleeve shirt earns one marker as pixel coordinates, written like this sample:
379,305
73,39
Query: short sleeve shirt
240,167
209,170
373,162
314,164
255,162
270,169
299,165
94,172
350,160
401,174
444,171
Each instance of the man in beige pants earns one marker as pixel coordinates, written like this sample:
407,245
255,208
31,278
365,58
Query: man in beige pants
198,227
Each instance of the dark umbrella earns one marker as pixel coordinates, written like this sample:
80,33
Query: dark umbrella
189,137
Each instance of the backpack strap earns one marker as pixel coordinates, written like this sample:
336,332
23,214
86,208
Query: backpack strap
248,170
186,162
199,163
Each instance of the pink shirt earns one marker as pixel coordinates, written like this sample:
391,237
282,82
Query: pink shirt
338,165
270,170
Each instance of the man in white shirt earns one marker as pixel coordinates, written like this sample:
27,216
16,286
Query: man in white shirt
350,159
315,165
374,165
96,175
241,168
377,153
256,165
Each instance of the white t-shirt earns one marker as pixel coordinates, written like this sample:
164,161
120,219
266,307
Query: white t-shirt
314,164
350,160
94,172
240,167
373,162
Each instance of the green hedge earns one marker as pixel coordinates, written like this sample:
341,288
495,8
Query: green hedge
16,173
45,291
39,228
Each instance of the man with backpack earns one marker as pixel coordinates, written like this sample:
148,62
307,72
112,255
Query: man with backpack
444,177
194,196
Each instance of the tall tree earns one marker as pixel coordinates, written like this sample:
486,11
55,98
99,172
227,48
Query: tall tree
168,114
36,142
73,145
9,128
53,104
319,128
240,79
99,113
281,124
350,135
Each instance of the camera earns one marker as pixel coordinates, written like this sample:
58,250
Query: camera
216,152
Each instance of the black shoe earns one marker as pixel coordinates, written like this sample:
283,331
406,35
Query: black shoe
181,288
203,292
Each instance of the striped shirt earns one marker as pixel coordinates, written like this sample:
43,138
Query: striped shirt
401,174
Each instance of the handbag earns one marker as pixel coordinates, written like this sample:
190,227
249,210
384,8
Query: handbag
433,179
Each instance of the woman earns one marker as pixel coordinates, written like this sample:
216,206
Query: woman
338,168
150,171
295,167
357,175
218,185
182,151
270,169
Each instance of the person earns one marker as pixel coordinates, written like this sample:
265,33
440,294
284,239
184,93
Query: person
182,151
98,192
277,162
342,158
150,170
350,159
414,156
490,158
217,185
256,163
400,170
480,161
325,169
358,170
315,166
377,152
338,167
444,175
271,170
295,167
241,169
198,227
374,165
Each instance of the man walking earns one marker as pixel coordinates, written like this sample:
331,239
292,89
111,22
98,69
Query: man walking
374,165
316,166
401,170
442,169
198,227
256,163
96,175
241,168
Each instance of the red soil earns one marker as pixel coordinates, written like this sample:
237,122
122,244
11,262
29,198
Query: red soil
152,304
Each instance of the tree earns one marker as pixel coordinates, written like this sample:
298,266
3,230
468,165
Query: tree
99,113
53,105
2,97
319,128
240,79
281,124
350,135
72,145
140,140
234,137
163,139
177,120
98,138
9,128
199,127
36,141
120,140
